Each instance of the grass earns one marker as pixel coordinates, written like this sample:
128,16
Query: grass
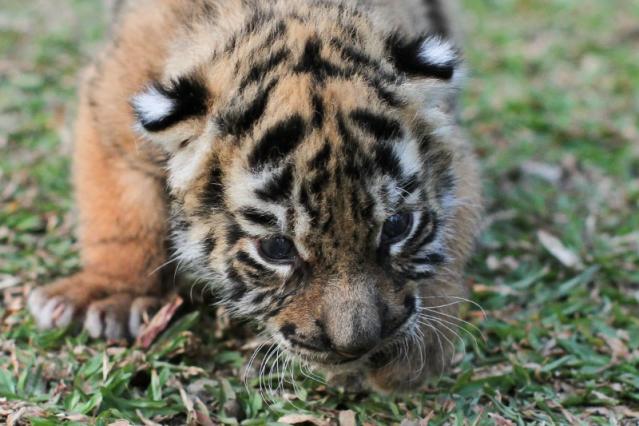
553,107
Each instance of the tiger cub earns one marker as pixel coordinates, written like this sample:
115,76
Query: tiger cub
302,157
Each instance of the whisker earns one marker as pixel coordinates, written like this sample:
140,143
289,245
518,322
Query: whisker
248,367
452,317
463,299
436,333
171,260
461,328
452,331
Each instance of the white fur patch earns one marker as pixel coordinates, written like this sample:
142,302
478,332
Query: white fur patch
151,105
437,51
187,164
409,157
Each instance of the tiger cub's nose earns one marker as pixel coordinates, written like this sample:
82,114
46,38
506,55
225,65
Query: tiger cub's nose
353,328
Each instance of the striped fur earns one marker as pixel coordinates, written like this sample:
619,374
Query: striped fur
308,119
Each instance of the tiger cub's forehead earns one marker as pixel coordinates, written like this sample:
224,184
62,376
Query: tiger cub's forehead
310,114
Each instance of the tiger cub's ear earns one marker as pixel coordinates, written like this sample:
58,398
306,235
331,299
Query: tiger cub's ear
173,113
427,56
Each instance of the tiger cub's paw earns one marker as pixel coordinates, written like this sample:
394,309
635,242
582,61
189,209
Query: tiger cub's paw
104,314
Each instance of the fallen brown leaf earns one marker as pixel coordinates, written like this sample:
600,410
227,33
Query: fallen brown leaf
346,418
158,323
558,250
500,421
296,419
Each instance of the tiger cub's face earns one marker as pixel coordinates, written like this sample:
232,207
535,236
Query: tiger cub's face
312,179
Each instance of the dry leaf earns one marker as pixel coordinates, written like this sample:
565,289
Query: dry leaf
296,419
202,414
158,323
548,172
15,418
500,421
426,420
627,412
145,421
558,250
346,418
617,346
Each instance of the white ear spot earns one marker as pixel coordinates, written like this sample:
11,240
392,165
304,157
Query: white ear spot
436,51
152,105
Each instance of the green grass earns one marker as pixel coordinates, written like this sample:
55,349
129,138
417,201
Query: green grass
552,104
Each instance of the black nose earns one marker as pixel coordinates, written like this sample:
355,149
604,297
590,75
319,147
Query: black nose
355,330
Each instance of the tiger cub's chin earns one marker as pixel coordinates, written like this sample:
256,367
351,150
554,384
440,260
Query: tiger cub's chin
302,157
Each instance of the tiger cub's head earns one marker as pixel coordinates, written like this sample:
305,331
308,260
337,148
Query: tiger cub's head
317,176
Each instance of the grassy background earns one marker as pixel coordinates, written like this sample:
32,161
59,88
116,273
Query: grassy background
553,105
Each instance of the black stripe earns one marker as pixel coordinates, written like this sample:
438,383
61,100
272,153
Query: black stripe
234,234
238,288
366,211
362,59
320,160
246,259
378,125
259,297
240,122
273,312
279,187
318,182
288,329
259,71
388,96
189,96
275,34
214,189
441,167
306,202
426,141
318,111
344,133
355,202
445,184
408,59
278,142
424,221
419,275
420,240
313,63
259,217
387,161
209,244
429,259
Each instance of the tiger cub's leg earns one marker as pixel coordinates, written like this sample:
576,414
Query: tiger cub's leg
122,232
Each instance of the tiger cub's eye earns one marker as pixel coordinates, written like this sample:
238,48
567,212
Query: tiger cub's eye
397,227
277,249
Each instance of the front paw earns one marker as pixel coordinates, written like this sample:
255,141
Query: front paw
88,300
